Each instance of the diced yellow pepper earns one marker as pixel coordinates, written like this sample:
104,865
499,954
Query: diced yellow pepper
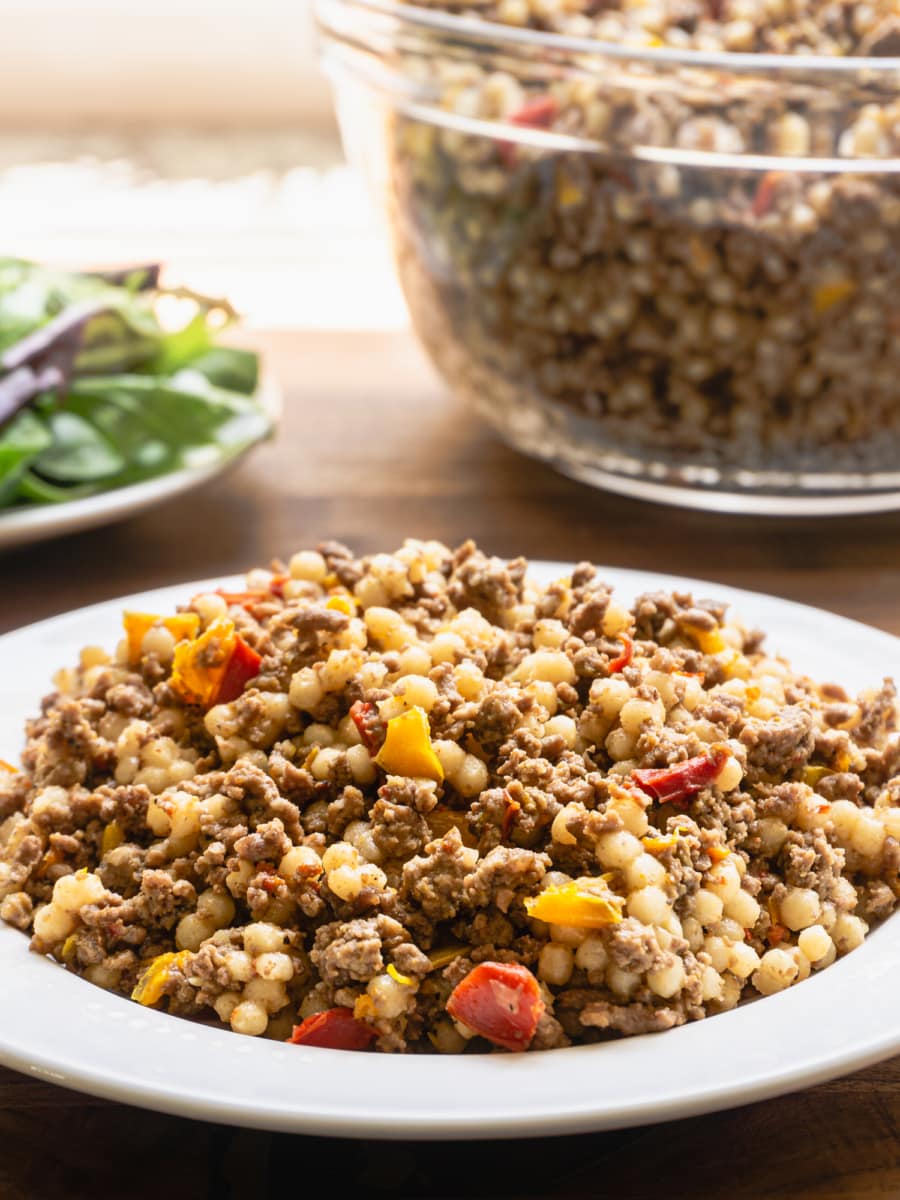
112,837
734,664
568,193
149,988
718,854
398,977
812,775
342,602
710,641
364,1008
444,955
182,625
199,665
828,294
68,949
656,845
407,748
5,766
569,904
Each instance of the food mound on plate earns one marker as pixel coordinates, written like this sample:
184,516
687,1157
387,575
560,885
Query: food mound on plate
419,802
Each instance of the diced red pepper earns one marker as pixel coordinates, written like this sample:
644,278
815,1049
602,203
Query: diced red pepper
335,1029
499,1001
276,585
537,113
511,811
671,785
765,193
364,715
624,659
243,665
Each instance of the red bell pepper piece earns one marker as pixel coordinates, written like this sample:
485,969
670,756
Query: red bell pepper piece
537,113
671,785
243,665
276,585
511,811
335,1029
620,663
764,196
363,714
499,1001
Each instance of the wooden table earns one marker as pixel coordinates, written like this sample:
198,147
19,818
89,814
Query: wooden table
371,449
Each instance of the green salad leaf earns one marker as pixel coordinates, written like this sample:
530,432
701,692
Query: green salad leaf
109,378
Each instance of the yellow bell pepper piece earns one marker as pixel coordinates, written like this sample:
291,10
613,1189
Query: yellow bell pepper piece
655,845
828,294
571,904
5,766
364,1008
407,748
112,837
182,625
149,988
199,665
445,954
710,641
398,977
812,775
718,854
342,602
568,193
68,949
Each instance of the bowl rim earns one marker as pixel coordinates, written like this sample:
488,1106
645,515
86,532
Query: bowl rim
733,62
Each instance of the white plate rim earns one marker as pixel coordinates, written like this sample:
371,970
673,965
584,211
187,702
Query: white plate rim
37,522
107,1046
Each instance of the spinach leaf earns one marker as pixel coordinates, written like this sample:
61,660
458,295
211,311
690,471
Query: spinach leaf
79,453
230,368
21,442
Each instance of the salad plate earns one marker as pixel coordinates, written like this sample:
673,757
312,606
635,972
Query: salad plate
117,391
32,523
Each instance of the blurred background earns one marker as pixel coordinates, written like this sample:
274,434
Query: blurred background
199,133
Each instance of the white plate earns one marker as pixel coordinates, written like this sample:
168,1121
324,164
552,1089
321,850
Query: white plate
37,522
58,1027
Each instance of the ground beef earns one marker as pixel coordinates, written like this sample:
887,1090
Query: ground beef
434,880
503,875
488,584
782,744
63,747
398,830
267,843
356,950
628,1018
879,715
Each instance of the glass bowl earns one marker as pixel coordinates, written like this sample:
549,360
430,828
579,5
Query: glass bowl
670,273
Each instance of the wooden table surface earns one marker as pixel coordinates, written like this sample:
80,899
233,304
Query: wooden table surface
371,449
